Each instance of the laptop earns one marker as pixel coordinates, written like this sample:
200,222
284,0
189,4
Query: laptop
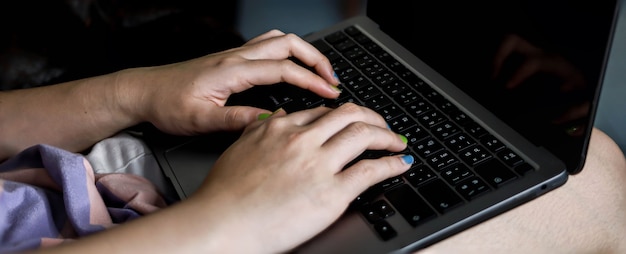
497,100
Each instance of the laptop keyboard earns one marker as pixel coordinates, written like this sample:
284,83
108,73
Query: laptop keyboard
456,160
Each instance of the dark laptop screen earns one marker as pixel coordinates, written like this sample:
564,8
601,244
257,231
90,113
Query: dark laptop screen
536,64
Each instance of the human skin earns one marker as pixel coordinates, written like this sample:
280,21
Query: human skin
274,164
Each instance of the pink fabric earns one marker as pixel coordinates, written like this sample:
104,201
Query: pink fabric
48,196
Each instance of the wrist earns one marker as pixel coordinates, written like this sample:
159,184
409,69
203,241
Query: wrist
131,96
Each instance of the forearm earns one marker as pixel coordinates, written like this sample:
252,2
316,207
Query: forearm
72,115
193,226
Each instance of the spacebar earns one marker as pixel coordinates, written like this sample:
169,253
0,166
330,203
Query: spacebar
411,206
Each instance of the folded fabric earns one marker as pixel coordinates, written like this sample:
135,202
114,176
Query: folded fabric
49,196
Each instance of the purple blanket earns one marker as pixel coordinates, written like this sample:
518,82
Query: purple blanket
49,195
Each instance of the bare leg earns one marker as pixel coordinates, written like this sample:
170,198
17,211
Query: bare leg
586,215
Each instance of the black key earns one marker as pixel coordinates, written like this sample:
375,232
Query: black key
373,70
344,45
347,74
440,196
383,78
382,55
524,168
356,83
365,197
384,230
406,97
367,92
474,155
475,129
410,205
352,31
446,106
414,134
321,46
441,160
459,142
459,117
419,175
472,188
492,143
434,97
341,101
395,87
418,107
427,147
378,102
374,49
339,64
390,183
377,211
335,37
401,123
354,53
456,173
444,130
390,112
495,173
509,157
370,214
363,61
430,118
362,39
384,209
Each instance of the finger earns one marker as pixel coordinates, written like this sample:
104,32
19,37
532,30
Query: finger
261,118
299,118
290,45
270,34
357,137
365,173
340,118
228,118
266,72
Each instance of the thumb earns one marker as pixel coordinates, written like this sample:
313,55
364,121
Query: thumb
232,118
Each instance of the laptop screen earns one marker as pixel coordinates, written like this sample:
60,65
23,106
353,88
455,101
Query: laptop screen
536,64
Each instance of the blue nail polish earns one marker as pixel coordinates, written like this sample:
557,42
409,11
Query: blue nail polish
336,77
408,159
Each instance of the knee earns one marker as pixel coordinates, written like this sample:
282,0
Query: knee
604,153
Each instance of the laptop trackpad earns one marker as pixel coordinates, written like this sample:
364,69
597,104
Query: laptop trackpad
192,161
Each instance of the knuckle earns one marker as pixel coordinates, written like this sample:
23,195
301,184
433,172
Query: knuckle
359,129
351,108
292,38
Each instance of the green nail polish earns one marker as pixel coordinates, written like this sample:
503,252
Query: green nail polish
336,88
404,139
264,116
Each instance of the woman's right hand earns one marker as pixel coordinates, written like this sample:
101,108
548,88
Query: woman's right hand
282,182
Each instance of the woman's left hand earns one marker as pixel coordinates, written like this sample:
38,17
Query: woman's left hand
188,98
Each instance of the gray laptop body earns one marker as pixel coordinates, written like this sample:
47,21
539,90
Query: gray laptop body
441,75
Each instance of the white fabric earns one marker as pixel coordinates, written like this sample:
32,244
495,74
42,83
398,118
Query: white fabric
124,153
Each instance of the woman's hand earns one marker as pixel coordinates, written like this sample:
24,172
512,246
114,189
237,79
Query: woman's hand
188,98
282,182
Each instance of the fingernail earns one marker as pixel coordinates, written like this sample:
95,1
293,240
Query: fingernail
276,111
336,89
264,116
404,139
336,76
408,159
